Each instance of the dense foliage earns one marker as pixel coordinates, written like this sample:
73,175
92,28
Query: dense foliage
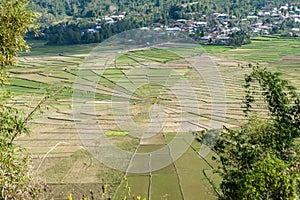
148,9
15,179
260,160
15,21
67,22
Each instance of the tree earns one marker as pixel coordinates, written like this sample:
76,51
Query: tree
260,159
15,179
269,179
239,38
15,21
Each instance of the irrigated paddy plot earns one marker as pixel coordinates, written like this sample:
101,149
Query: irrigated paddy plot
140,102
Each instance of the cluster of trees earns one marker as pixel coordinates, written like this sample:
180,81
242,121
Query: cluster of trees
260,159
78,33
238,39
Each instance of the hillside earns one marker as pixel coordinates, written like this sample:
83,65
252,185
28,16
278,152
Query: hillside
229,23
56,10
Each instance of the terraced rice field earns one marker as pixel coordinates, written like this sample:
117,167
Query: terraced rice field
60,156
281,55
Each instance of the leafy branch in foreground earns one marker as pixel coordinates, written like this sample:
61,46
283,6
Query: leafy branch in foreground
16,181
260,159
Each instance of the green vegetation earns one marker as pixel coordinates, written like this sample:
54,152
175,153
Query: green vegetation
260,159
15,20
156,11
116,133
76,22
16,181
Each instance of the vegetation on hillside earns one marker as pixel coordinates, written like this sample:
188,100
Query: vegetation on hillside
75,22
149,10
